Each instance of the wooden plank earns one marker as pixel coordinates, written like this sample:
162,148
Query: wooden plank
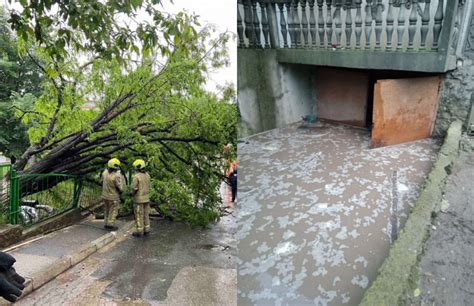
404,110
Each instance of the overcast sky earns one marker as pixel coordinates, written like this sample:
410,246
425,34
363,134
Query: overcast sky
222,14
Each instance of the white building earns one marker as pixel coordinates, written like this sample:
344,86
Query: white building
4,160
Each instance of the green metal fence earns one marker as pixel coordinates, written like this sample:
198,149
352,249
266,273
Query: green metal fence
28,199
4,193
90,194
36,197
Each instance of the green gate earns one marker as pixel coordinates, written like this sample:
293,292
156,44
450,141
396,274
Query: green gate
37,197
4,193
28,199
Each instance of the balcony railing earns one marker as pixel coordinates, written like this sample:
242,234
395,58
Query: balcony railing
369,26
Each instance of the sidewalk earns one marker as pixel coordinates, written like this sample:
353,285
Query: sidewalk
175,265
44,258
445,269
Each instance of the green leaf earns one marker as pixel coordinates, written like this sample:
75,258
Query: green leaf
417,292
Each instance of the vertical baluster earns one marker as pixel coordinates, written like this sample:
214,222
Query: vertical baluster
438,19
283,23
358,22
304,23
249,31
329,22
368,23
338,22
378,22
348,8
240,26
297,24
291,23
312,23
412,24
425,20
256,24
457,23
271,14
265,26
390,21
321,23
401,25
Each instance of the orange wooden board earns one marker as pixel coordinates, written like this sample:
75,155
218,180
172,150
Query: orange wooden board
404,110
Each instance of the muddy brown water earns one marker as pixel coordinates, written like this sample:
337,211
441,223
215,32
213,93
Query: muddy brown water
316,212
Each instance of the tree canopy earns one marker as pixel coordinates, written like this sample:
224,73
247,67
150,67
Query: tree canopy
117,90
20,84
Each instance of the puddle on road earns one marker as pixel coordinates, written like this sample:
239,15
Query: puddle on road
314,222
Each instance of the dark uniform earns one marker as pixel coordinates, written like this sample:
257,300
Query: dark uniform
233,184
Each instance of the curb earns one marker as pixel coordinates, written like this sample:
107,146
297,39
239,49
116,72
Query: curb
393,281
65,263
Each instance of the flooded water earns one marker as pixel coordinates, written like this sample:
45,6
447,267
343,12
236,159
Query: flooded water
317,212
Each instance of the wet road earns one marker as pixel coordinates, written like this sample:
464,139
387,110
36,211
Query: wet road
318,210
176,264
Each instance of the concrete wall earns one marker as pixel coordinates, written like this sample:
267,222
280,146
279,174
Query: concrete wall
456,93
456,97
342,95
270,94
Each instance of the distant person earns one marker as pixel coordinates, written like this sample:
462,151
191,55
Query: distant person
140,191
233,184
112,188
230,167
11,283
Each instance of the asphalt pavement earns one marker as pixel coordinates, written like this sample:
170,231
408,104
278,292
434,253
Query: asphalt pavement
175,265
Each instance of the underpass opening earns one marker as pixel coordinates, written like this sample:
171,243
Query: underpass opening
396,106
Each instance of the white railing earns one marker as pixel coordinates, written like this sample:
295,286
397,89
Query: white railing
385,25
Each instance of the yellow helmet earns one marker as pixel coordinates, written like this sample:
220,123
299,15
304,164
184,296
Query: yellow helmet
139,164
114,163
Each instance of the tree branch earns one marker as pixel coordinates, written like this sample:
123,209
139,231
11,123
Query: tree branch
59,104
27,112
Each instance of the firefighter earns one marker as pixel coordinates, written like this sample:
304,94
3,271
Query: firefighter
112,188
140,191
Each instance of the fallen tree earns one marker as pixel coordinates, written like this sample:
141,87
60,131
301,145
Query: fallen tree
148,103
